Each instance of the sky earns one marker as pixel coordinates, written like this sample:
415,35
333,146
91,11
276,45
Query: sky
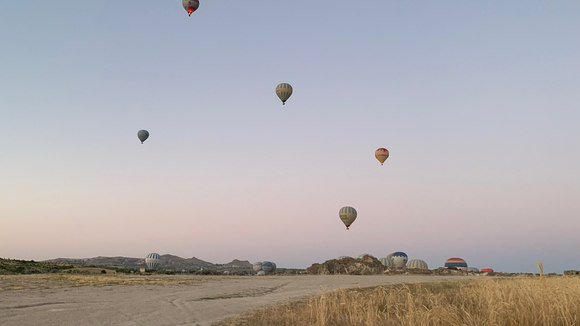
477,102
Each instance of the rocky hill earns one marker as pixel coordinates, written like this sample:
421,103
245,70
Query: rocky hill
366,266
168,262
13,266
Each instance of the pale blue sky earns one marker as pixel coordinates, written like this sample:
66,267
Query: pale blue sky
478,103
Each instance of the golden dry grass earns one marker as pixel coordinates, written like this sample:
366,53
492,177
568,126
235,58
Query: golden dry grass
491,302
45,281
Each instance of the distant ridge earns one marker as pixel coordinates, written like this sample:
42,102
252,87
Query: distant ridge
170,262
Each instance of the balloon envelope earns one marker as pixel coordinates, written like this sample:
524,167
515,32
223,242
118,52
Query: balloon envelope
382,154
143,135
387,262
457,263
400,259
257,266
284,91
417,264
152,260
347,215
190,6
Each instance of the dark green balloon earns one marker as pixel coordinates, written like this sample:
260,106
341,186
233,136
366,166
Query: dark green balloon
143,135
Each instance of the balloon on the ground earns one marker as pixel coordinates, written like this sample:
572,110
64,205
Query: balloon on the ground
261,273
387,262
363,256
284,91
417,264
267,267
190,6
257,266
153,260
473,269
382,154
347,215
487,270
457,263
400,258
143,135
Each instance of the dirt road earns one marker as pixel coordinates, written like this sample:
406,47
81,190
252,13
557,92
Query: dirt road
203,301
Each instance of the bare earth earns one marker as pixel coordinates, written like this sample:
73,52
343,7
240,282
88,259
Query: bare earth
163,300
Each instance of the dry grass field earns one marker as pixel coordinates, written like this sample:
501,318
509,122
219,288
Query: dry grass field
491,302
47,281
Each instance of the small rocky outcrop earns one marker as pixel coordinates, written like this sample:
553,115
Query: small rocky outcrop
350,266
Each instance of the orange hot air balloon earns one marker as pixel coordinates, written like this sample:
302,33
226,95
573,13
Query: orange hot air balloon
190,6
382,154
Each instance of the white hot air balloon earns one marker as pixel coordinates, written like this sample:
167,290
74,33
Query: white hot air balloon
153,260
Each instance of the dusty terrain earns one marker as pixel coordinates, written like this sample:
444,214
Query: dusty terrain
162,300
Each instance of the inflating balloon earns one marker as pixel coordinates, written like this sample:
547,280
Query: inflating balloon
152,260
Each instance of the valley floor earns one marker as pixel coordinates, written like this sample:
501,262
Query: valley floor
56,299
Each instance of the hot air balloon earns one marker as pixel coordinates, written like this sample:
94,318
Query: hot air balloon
473,269
267,267
361,256
190,6
487,270
347,214
343,257
400,259
152,260
261,273
257,266
387,262
273,267
284,91
382,154
143,135
417,264
457,263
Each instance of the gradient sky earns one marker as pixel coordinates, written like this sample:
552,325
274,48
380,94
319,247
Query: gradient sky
477,102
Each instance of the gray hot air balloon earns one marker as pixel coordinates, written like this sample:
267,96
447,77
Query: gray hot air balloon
284,91
152,260
190,6
267,267
143,135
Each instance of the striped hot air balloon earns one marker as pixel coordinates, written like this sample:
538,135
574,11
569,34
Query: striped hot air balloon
153,260
190,6
457,263
387,262
400,258
347,215
382,154
284,91
417,264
